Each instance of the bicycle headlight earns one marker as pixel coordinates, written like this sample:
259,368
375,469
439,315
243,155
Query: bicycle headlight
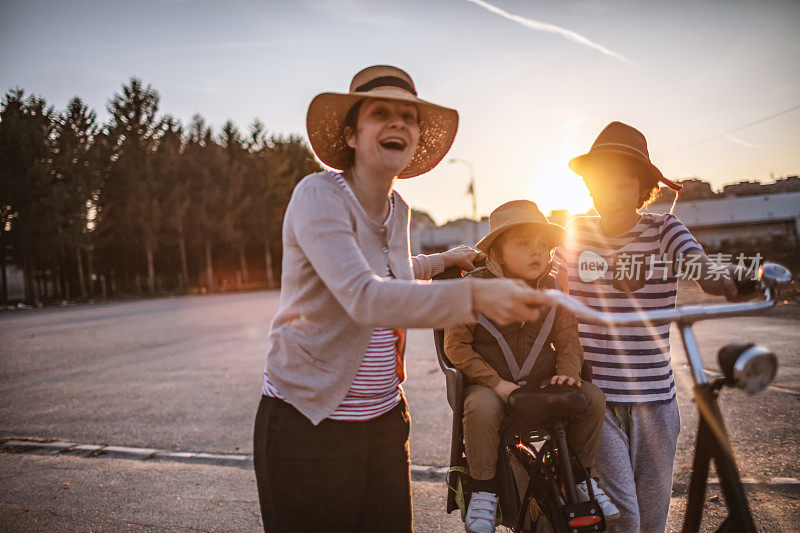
748,366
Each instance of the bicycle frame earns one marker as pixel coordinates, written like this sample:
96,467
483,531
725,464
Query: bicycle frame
713,442
548,468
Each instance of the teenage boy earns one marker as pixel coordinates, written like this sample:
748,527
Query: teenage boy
625,261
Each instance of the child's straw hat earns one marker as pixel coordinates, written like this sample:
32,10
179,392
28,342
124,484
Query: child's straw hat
516,213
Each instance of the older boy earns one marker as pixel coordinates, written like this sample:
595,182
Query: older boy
519,246
627,261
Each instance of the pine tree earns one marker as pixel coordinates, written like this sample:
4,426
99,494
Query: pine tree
78,173
132,197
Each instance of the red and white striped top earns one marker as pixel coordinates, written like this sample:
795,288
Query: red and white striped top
376,387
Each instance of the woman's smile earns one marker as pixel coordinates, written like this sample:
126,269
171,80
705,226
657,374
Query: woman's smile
386,134
394,143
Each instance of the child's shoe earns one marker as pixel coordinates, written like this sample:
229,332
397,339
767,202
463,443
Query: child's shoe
610,510
481,513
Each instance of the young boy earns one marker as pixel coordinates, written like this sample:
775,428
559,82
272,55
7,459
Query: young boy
624,261
519,246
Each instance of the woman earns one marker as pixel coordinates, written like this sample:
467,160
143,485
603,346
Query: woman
331,433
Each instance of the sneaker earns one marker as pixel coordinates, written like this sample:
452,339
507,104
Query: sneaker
481,513
610,510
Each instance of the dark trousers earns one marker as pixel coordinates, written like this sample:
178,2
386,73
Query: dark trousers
335,476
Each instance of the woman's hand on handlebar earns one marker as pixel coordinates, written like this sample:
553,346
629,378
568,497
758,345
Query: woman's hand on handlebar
505,301
464,257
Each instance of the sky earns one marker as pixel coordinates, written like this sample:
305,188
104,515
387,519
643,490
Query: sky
534,82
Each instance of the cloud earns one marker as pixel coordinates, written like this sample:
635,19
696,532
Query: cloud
741,142
551,28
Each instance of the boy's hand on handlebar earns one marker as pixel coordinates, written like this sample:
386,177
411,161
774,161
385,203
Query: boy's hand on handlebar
505,301
504,388
738,286
464,257
565,380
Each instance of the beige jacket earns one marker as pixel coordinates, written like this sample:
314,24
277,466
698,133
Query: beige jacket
333,293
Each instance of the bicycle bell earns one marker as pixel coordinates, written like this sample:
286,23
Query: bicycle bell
773,275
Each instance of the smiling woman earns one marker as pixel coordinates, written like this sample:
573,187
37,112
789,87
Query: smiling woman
331,433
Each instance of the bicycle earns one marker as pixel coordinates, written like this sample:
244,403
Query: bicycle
747,366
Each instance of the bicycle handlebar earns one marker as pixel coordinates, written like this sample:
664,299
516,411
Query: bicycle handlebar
683,314
770,278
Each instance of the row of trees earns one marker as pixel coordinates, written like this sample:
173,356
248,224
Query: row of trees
140,203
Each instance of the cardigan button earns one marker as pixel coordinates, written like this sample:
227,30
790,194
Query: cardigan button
385,250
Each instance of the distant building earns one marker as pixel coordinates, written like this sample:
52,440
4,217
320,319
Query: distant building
752,188
693,189
560,216
745,217
15,283
448,235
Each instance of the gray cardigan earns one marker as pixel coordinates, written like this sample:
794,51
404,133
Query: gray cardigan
332,295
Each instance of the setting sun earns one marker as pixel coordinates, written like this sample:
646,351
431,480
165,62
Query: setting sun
554,186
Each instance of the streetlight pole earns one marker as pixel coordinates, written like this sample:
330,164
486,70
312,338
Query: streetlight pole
471,192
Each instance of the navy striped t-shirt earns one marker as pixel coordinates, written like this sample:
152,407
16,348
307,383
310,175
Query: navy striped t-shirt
630,272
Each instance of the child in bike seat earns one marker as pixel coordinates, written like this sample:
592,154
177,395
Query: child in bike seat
520,246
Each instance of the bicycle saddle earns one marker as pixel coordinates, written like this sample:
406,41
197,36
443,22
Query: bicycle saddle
538,405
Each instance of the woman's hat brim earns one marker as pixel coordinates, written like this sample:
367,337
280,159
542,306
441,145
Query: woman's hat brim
555,234
583,164
325,125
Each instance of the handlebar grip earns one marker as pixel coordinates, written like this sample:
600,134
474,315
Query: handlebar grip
452,272
745,284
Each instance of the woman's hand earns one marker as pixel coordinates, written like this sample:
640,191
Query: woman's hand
504,301
464,257
504,388
565,380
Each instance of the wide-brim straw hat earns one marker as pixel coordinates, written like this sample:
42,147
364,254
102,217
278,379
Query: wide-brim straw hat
517,213
622,140
327,112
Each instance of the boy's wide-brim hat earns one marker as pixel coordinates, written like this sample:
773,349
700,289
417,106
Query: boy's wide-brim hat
327,112
622,140
517,213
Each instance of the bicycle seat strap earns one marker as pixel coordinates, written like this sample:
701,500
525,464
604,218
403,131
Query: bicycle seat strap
516,372
541,338
513,367
538,344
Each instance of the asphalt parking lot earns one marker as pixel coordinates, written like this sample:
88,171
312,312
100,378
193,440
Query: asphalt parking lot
183,375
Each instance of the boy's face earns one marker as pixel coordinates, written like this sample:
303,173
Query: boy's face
614,186
523,253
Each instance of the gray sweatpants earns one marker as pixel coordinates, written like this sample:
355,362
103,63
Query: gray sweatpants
635,462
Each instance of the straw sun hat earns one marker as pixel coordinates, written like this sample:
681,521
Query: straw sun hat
622,140
327,112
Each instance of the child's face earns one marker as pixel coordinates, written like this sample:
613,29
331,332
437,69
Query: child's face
614,186
523,253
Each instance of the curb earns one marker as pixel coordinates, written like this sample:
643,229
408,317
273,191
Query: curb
34,446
